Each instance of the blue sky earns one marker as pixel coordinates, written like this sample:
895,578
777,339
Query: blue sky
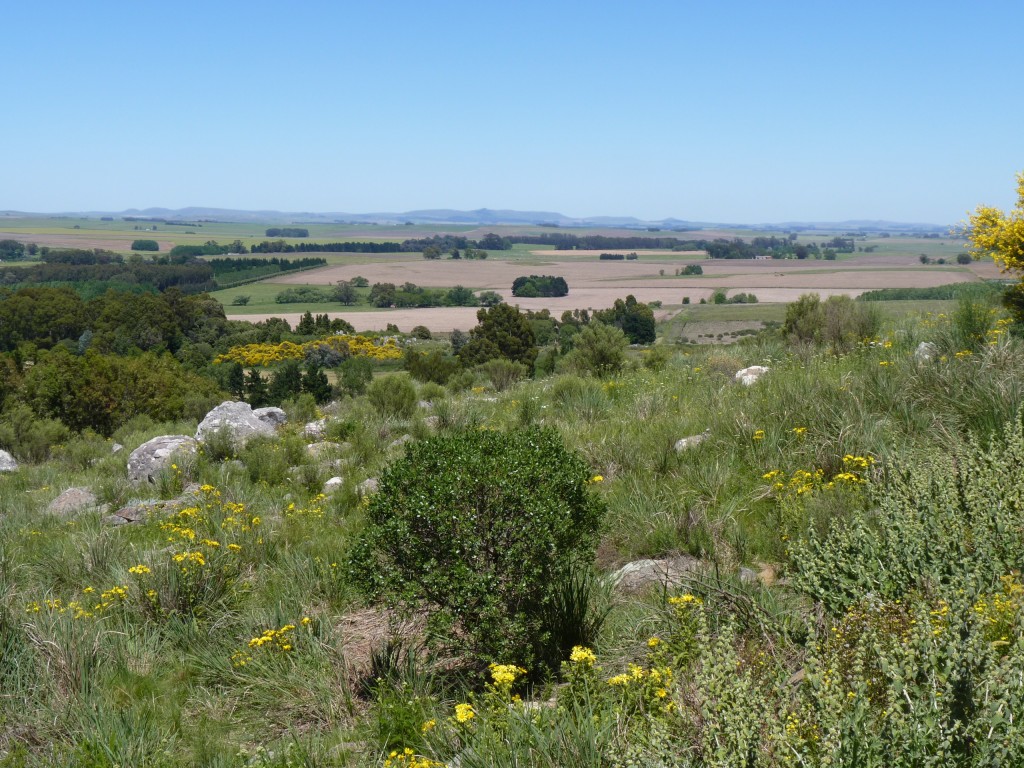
742,112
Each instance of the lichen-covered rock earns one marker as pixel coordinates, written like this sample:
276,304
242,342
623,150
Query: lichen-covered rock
71,501
368,486
154,456
275,417
750,375
640,575
237,419
333,485
7,462
314,430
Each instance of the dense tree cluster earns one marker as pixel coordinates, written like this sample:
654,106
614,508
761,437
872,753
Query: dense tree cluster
145,245
540,285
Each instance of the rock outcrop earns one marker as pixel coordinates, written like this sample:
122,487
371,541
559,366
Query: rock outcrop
154,456
71,501
239,420
668,573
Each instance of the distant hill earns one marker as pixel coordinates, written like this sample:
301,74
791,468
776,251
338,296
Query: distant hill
485,216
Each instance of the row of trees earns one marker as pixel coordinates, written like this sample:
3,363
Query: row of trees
287,232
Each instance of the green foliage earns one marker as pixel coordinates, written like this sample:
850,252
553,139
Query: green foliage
838,322
145,245
599,350
635,318
102,392
479,528
354,374
28,437
938,522
501,331
393,395
432,365
539,285
503,373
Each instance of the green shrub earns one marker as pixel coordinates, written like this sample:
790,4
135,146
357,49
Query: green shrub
145,245
503,373
480,529
433,366
30,438
393,395
599,350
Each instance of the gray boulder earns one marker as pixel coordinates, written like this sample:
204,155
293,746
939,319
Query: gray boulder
237,419
925,351
368,486
71,501
322,449
750,375
333,485
152,457
667,573
7,462
275,417
315,429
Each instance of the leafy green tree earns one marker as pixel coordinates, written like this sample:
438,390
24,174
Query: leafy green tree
145,245
345,293
489,298
635,318
480,529
382,294
460,296
501,331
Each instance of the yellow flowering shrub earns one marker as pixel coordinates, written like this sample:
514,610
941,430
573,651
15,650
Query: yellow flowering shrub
261,355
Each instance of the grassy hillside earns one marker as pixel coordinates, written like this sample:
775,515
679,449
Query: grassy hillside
849,525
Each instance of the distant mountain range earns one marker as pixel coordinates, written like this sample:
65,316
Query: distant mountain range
485,216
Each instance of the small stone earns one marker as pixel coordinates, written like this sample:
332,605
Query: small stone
368,486
691,442
333,485
750,375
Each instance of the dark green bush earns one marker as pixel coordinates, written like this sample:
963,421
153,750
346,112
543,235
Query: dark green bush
482,529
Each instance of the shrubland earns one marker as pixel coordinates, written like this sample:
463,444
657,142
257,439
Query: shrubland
838,541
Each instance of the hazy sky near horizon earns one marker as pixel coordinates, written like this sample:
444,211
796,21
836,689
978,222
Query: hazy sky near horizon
744,112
